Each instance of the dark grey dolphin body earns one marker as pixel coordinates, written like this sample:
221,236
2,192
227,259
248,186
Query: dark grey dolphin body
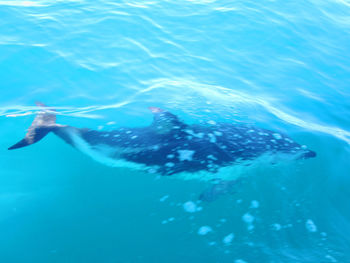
169,146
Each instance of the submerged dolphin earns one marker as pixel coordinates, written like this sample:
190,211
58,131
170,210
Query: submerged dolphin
170,147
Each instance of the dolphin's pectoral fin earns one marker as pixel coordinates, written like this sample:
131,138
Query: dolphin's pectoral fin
218,189
164,121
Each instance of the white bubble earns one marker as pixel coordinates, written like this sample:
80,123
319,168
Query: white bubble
190,207
276,227
248,218
203,230
254,204
165,197
324,234
240,261
310,226
211,122
331,259
250,227
228,239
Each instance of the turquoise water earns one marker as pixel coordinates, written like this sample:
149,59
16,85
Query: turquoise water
280,65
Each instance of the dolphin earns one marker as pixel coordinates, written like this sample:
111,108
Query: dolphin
170,147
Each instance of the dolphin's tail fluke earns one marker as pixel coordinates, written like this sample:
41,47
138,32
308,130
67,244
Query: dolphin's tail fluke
44,122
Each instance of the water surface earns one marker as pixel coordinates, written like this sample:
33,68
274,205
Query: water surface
278,65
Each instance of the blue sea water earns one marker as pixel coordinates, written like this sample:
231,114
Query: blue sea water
279,65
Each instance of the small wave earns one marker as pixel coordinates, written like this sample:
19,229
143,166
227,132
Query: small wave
81,112
227,97
22,3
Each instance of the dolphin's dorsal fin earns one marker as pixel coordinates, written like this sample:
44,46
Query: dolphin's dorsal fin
165,122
